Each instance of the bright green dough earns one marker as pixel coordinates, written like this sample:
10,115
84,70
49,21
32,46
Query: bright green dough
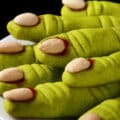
56,100
83,43
108,109
34,74
52,24
104,70
35,33
15,59
94,8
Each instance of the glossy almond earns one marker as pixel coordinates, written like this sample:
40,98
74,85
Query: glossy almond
52,46
20,94
11,75
27,19
75,4
77,65
90,116
10,47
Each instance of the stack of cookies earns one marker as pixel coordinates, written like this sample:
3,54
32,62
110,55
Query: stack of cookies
73,68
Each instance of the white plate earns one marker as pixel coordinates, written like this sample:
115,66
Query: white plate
11,38
3,114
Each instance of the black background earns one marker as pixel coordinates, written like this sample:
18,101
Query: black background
10,8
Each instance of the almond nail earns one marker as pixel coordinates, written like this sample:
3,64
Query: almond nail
11,47
90,116
19,94
75,4
53,46
27,19
77,65
11,75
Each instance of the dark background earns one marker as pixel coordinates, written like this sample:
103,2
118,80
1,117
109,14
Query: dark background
10,8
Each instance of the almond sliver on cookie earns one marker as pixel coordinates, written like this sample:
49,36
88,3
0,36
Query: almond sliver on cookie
53,46
90,116
27,19
11,75
75,4
20,94
11,47
77,65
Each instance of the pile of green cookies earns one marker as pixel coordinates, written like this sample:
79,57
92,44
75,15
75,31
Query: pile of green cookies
71,71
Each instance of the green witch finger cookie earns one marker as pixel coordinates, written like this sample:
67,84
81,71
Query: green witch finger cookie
78,8
53,100
28,76
95,71
14,54
60,49
32,27
107,110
